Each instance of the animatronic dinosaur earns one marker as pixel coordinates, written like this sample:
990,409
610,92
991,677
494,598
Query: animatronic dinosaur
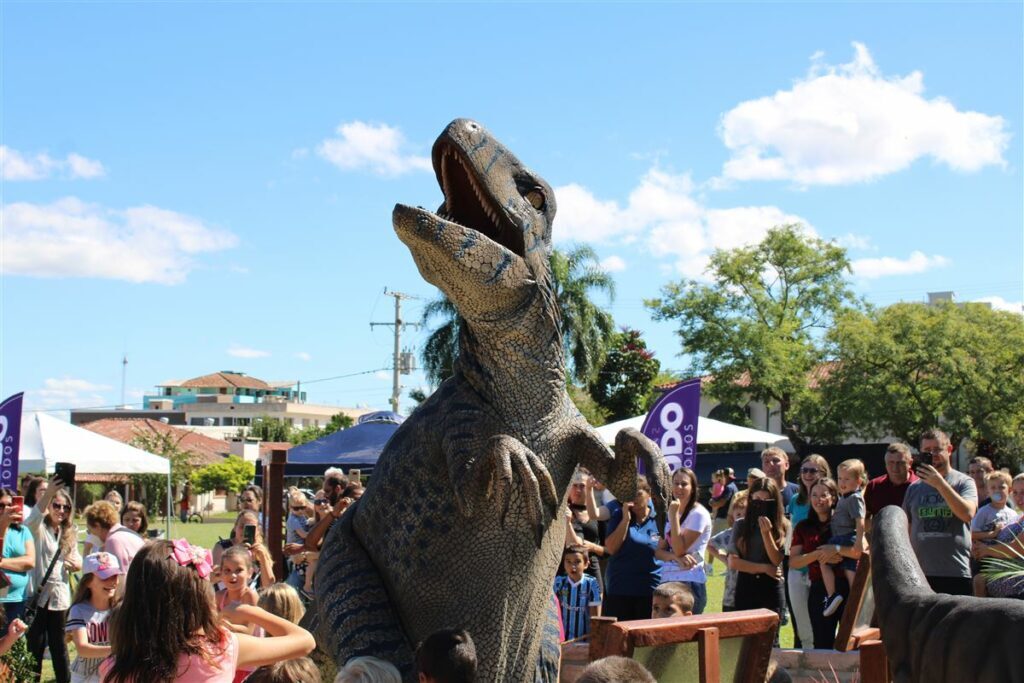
936,638
461,524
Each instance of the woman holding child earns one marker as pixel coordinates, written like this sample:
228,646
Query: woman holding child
813,468
687,532
810,549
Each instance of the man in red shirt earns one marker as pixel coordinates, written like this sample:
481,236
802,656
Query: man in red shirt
890,488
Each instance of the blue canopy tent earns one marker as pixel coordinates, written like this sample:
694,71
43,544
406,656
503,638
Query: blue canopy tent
358,446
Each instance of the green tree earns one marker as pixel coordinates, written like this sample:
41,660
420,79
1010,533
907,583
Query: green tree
152,488
909,366
267,428
626,376
231,474
758,326
585,403
338,422
586,327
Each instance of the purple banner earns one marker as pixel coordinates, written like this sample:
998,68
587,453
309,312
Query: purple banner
672,424
10,440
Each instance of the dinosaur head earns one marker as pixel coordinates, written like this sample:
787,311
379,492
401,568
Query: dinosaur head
487,246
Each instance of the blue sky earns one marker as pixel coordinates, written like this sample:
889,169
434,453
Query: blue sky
209,186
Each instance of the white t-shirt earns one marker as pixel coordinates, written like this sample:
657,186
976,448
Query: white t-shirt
698,520
84,615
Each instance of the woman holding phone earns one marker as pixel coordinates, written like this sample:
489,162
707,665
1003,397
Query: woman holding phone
56,540
19,556
755,549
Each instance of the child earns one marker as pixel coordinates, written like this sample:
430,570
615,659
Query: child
167,629
283,601
672,599
578,593
87,619
718,482
446,656
297,528
990,519
368,670
847,529
301,670
719,544
235,572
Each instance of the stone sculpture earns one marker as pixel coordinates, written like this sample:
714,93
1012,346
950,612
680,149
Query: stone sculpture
461,524
936,638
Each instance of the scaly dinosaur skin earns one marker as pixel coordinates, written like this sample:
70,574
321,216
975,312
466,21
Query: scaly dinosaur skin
936,638
462,522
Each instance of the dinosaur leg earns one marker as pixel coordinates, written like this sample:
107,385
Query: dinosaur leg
354,613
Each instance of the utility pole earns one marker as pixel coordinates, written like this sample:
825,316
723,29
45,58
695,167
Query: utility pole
397,364
124,377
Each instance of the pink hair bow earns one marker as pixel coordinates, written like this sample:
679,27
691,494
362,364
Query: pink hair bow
186,554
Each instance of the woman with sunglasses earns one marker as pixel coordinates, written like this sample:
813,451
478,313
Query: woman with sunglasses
54,534
813,468
19,556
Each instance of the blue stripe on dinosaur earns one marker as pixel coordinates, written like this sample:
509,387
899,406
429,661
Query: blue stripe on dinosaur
497,155
506,261
466,244
480,145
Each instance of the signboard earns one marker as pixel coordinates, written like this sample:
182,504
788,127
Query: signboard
10,440
672,424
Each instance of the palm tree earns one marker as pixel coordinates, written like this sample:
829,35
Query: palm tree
586,327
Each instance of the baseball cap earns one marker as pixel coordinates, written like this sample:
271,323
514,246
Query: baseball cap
103,565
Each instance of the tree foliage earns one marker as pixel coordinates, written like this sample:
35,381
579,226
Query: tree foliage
586,327
231,474
267,428
911,366
152,488
626,376
758,326
588,407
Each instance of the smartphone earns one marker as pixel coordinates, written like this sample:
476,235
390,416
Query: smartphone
66,472
921,459
354,475
249,534
18,502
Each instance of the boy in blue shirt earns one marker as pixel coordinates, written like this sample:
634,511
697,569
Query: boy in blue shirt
579,595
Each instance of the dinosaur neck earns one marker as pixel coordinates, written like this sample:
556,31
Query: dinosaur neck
517,368
896,575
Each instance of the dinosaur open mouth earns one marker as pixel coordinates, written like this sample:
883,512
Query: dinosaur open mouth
468,203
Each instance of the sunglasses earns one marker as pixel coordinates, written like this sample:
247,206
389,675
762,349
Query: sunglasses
810,470
60,506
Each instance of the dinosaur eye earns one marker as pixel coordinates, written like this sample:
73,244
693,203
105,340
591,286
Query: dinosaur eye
536,198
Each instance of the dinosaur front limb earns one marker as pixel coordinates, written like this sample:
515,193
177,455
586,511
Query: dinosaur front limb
618,470
483,469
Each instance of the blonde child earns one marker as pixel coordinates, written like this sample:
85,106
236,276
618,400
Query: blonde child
301,670
236,569
283,601
847,529
87,620
166,628
719,544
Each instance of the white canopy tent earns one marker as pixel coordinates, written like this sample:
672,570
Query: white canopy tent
45,441
708,431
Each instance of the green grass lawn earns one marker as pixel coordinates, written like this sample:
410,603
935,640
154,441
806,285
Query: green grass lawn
716,586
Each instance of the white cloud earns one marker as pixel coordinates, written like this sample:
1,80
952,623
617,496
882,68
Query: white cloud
1001,304
850,123
666,219
17,166
613,264
853,241
67,392
71,238
383,375
917,262
302,355
374,147
239,351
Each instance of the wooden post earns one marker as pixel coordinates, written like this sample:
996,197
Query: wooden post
273,514
874,665
710,663
599,627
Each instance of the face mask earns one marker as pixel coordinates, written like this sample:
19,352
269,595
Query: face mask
762,508
997,497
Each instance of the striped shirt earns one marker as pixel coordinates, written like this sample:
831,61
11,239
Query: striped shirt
576,599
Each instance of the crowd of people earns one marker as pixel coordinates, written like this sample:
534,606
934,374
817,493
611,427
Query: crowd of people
788,546
150,609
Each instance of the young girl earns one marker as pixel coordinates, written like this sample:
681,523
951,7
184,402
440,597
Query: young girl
283,601
719,544
755,549
166,628
235,571
87,620
687,532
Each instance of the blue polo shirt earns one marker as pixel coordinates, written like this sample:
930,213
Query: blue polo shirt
14,546
633,571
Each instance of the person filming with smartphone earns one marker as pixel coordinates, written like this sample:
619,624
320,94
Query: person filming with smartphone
940,507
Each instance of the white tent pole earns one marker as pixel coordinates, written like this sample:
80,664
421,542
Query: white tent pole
168,504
